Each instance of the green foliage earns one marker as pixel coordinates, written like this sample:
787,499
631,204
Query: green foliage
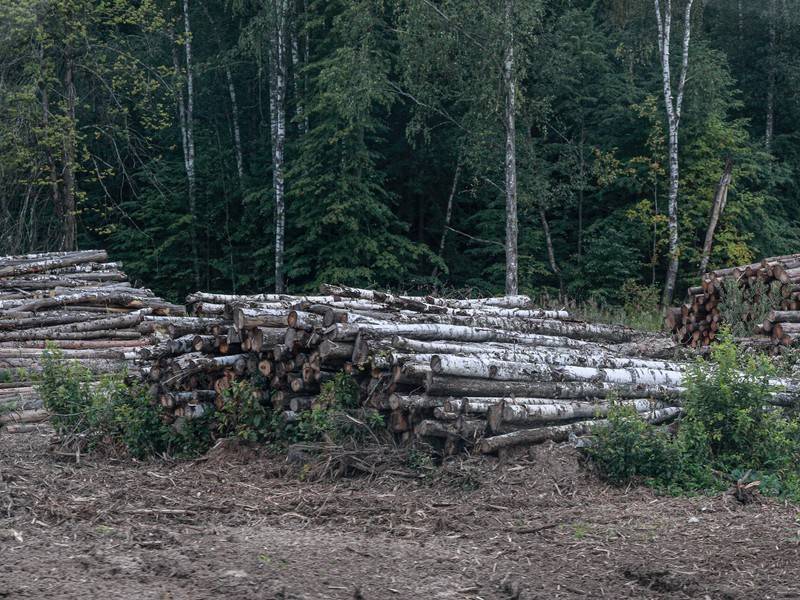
337,418
112,413
728,433
640,308
629,448
242,414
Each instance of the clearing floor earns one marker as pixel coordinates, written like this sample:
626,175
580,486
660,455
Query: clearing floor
237,525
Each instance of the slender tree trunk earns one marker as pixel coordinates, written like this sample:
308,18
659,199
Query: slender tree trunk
277,104
741,21
58,206
673,108
70,239
771,68
718,206
551,256
582,175
237,134
672,211
512,227
190,149
299,111
449,213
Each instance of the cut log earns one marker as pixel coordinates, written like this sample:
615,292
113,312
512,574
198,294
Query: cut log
440,385
559,433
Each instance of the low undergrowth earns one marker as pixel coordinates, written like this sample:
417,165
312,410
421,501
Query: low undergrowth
729,434
118,414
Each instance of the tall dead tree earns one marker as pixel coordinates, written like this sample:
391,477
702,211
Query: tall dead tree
512,226
673,104
277,110
717,208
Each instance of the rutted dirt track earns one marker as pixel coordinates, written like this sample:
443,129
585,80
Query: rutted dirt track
236,526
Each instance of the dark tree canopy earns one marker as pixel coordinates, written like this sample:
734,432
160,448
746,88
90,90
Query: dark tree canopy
150,128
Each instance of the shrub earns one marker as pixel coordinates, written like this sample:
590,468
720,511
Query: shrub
113,412
336,417
728,430
242,414
629,448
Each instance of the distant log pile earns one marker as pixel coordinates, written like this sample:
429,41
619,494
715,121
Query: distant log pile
78,302
766,295
489,373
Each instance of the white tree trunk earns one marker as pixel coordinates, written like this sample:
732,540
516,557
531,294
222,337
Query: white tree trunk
448,213
187,126
512,227
487,368
277,104
673,108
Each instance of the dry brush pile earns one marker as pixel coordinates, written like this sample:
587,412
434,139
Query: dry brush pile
761,301
78,302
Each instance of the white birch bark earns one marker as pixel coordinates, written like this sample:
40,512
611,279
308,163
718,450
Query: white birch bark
512,227
673,107
589,357
483,368
277,105
187,134
561,433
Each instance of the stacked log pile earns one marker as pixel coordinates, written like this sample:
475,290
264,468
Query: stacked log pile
484,372
773,282
78,302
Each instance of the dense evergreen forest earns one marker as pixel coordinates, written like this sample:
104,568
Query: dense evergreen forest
569,147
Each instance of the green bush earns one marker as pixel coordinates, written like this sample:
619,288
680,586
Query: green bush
242,414
728,429
629,448
336,417
111,412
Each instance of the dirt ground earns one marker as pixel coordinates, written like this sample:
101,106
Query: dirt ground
237,526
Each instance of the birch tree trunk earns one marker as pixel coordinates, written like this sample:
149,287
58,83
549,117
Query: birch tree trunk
188,140
512,227
720,199
277,105
673,108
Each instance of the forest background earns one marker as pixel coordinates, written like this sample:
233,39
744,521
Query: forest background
471,145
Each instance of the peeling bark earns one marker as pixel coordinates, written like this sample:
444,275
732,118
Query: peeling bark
673,108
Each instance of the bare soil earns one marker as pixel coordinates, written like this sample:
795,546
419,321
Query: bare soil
236,525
